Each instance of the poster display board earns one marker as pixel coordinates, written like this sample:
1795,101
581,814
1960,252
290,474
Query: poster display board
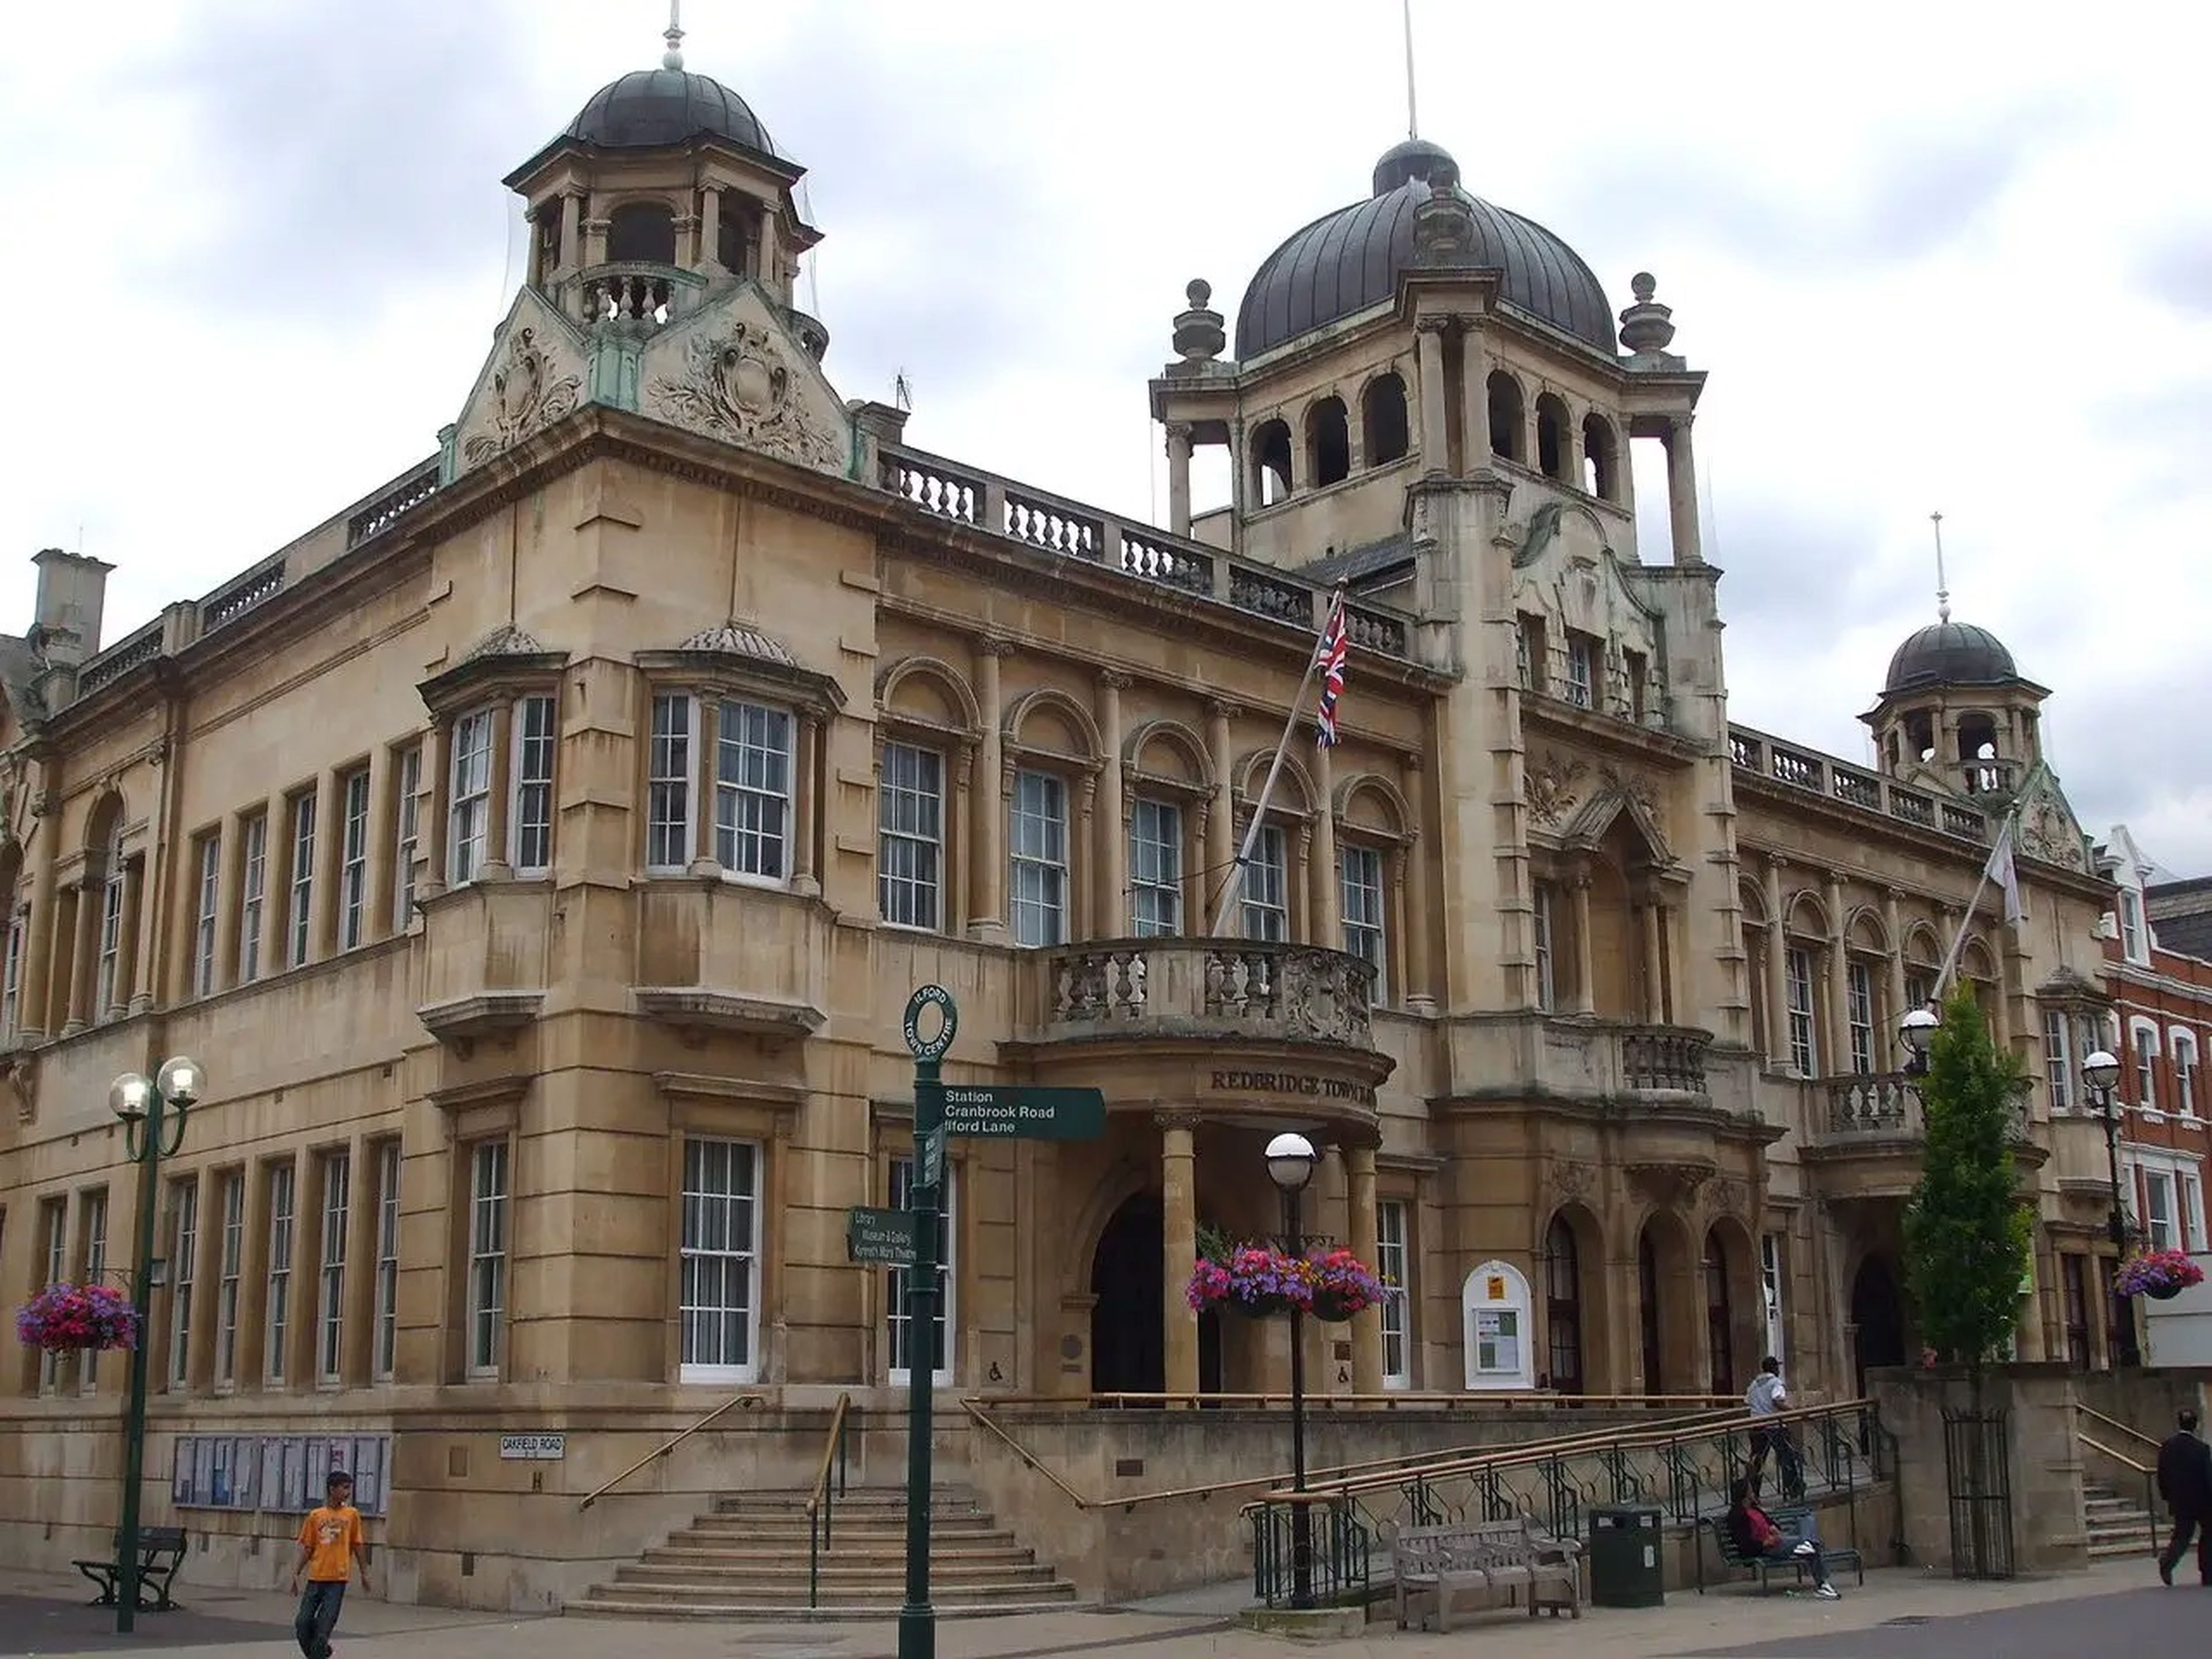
281,1472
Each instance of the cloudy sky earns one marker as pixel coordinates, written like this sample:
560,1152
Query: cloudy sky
1929,262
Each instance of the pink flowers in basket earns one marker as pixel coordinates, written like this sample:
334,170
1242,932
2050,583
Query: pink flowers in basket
69,1317
2160,1274
1260,1280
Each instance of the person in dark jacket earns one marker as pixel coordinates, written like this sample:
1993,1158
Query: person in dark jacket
2185,1482
1754,1534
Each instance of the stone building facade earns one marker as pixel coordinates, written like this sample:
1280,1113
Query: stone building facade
538,856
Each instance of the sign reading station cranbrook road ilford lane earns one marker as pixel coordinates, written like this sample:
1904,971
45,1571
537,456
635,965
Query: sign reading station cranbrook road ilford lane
882,1238
1030,1114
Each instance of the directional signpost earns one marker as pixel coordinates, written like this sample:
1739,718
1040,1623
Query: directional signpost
994,1112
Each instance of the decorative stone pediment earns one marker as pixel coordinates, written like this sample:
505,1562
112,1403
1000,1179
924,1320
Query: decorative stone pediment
1619,794
535,376
735,371
2048,829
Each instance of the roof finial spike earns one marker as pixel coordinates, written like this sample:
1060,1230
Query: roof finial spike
673,58
1412,117
1942,586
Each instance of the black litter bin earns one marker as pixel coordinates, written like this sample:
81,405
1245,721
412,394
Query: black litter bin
1626,1559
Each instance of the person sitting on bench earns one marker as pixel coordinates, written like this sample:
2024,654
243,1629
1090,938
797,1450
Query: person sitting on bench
1756,1536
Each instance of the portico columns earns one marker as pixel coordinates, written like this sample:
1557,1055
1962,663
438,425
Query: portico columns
987,920
1360,1218
1110,912
1682,492
1430,355
1179,477
1779,1054
1220,818
1179,1247
1585,958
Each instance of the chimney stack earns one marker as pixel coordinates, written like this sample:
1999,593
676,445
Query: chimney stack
72,590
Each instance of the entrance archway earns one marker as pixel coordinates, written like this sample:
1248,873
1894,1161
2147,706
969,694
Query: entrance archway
1129,1351
1879,1316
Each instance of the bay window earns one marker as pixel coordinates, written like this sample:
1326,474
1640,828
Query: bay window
468,796
530,812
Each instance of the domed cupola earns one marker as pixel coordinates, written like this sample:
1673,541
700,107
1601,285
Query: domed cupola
1949,653
647,109
1346,261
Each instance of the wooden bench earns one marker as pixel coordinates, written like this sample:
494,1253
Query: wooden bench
1793,1525
1436,1570
161,1552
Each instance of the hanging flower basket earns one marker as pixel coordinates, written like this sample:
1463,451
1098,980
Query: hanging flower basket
69,1318
2160,1274
1259,1280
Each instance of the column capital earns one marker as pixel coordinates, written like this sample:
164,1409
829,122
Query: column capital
994,646
1114,680
1223,708
1177,1117
1179,433
1357,1141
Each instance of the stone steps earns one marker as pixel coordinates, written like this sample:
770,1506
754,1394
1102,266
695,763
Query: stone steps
2116,1526
748,1557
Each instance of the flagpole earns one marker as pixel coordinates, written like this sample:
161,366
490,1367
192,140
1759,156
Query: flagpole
2004,838
1266,790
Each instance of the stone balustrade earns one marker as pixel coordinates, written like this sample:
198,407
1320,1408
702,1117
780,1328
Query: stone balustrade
1053,524
1203,988
1663,1057
1850,786
1883,1105
640,295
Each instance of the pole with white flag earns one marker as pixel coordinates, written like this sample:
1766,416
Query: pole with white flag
2001,869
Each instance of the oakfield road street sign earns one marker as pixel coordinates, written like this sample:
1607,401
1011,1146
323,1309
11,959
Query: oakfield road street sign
1029,1114
884,1238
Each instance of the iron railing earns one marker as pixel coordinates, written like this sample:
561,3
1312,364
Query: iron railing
821,1502
1977,1491
1337,1546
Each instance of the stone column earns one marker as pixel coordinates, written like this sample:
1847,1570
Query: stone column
1893,924
1654,970
1475,410
134,924
806,812
1420,991
1221,819
1839,979
277,886
1179,477
1110,917
1179,1243
1682,492
1325,896
84,967
35,998
433,814
710,228
572,232
496,865
1360,1221
1435,452
987,922
1585,959
1777,971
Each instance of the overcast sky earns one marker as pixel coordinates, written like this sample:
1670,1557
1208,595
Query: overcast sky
1929,262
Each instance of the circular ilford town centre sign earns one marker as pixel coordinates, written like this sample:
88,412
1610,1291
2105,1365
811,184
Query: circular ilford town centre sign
940,1028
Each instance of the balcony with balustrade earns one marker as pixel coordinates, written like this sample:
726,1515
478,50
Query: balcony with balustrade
1764,761
1865,1135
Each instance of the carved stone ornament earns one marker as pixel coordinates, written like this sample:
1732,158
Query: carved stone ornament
1550,786
1728,1197
2047,833
739,384
1669,1184
528,392
1572,1182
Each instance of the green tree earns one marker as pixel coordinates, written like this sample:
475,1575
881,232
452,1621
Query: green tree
1967,1235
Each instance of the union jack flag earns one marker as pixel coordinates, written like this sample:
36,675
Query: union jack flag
1329,655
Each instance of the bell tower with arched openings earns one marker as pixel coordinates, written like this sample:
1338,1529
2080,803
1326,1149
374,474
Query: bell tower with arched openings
1955,706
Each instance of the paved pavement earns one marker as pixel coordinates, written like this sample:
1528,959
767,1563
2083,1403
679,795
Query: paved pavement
1899,1614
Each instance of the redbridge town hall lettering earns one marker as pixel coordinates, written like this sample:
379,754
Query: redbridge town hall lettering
1290,1083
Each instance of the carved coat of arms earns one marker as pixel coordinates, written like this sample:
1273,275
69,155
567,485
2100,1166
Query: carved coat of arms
740,384
527,393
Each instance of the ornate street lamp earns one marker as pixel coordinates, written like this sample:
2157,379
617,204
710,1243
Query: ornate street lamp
1291,1159
2101,1071
1917,1031
153,1115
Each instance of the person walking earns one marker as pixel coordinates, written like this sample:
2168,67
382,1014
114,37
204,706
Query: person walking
1767,1399
332,1546
2185,1482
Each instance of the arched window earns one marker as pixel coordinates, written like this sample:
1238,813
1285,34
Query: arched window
1600,459
643,233
1551,437
1383,419
1563,1307
110,993
1508,417
1328,443
1271,463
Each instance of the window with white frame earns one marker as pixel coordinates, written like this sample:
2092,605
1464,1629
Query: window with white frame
899,1319
353,860
1804,1046
2185,1073
2058,1058
56,1211
530,805
206,912
468,813
1155,868
385,1335
11,972
407,834
2133,942
2144,1040
1360,871
1858,1005
668,784
487,1289
184,1252
277,1322
2157,1208
1393,1265
110,928
1582,655
300,918
1037,851
229,1267
910,837
720,1278
1770,1285
329,1302
2188,1202
1267,886
752,790
1546,985
95,1269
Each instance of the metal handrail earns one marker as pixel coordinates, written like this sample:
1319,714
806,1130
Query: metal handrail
2115,1423
749,1401
821,1502
2149,1474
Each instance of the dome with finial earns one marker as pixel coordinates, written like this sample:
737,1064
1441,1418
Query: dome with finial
1346,261
648,109
1949,653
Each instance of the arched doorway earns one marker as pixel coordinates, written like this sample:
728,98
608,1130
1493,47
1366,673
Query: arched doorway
1879,1316
1129,1353
1720,1336
1647,1308
1563,1308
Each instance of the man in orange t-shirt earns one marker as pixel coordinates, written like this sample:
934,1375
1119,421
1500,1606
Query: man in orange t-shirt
330,1545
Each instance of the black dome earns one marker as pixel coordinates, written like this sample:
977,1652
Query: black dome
647,108
1346,261
1949,653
